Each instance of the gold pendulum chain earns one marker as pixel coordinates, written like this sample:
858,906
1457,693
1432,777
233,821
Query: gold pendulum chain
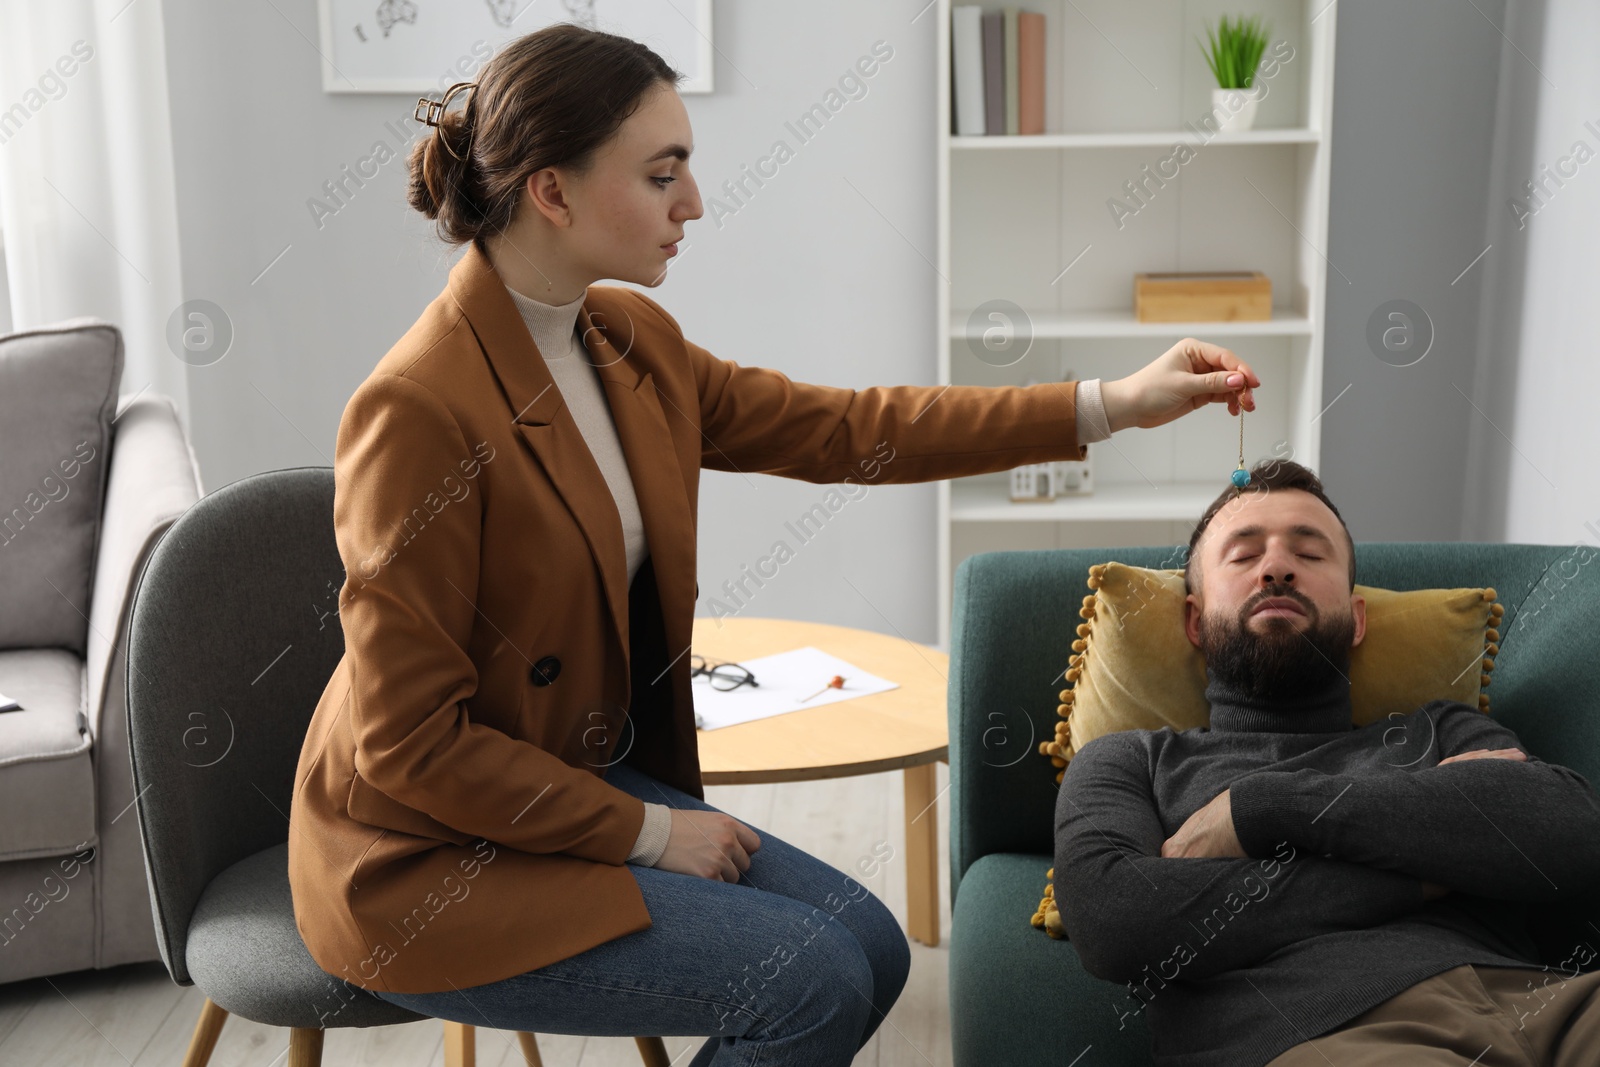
1241,476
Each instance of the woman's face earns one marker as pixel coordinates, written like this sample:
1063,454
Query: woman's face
629,210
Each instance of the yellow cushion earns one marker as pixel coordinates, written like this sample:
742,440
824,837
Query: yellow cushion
1133,667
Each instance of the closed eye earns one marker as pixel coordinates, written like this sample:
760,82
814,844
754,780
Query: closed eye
666,181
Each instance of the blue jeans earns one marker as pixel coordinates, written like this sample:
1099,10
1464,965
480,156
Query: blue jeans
796,963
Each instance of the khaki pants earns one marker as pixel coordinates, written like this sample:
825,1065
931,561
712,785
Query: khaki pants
1483,1016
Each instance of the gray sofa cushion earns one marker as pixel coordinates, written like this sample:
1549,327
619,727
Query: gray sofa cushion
58,396
46,774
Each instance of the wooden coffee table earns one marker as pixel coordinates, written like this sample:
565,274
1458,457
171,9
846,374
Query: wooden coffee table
903,729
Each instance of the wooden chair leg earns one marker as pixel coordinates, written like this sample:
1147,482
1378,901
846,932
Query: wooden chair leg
530,1049
922,853
459,1045
305,1046
206,1031
458,1048
653,1051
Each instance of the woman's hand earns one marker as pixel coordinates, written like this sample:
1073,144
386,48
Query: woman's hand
708,844
1188,376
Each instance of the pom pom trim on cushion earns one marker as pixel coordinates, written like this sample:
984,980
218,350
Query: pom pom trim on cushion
1491,644
1046,916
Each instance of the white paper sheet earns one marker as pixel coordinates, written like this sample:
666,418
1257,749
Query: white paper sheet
784,679
7,704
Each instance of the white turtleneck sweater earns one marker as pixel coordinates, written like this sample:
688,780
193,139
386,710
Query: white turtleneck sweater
554,328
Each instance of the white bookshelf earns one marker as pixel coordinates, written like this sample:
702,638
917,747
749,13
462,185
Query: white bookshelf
1025,219
1061,324
1131,139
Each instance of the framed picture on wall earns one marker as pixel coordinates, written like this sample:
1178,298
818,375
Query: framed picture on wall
425,46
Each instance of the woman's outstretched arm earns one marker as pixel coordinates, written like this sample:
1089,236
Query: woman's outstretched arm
758,419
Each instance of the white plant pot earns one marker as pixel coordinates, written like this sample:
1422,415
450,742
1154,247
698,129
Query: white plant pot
1235,109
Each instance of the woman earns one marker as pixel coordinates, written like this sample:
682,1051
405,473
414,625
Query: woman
498,816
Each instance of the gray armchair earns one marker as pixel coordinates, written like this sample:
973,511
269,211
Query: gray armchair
234,634
85,490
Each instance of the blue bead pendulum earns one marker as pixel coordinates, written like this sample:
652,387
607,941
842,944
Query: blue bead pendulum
1241,477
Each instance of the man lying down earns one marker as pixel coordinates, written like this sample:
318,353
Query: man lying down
1281,888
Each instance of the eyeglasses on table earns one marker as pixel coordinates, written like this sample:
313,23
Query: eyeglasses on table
724,676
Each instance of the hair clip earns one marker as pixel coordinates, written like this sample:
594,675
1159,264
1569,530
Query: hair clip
434,108
432,111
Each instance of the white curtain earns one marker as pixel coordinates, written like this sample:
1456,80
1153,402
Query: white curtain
88,209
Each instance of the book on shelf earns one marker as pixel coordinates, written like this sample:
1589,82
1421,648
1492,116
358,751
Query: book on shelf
997,70
994,70
1030,72
966,68
1011,72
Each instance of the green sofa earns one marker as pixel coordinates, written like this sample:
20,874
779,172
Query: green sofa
1019,997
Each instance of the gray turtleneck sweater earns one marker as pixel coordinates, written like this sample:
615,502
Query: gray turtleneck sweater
554,329
1238,960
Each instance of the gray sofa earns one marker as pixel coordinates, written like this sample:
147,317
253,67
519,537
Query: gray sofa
87,486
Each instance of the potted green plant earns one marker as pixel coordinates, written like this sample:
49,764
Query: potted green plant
1233,54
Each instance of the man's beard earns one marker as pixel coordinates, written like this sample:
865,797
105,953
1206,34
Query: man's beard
1279,662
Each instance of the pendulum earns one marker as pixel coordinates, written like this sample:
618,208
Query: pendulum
1241,477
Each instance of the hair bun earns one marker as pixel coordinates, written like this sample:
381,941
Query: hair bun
441,185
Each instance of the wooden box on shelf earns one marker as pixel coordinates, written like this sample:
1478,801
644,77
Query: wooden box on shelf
1192,296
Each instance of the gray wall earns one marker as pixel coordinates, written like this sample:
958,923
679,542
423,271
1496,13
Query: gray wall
1442,113
1531,475
1413,131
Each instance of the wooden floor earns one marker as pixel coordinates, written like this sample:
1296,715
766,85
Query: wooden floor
135,1016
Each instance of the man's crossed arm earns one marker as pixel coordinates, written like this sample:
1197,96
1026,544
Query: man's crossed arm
1506,828
1129,895
1125,906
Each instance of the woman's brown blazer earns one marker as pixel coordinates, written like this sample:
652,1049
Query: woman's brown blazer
451,825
